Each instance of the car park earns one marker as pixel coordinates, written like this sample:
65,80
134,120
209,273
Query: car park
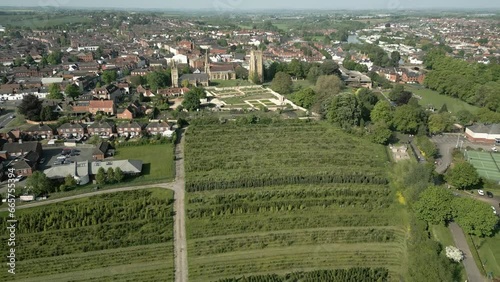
480,192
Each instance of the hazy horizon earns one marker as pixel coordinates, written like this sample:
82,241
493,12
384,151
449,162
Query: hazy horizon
235,5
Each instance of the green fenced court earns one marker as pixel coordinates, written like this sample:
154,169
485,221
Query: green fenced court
486,163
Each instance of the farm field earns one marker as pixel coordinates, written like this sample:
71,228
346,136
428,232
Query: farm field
268,199
158,161
431,97
41,21
126,235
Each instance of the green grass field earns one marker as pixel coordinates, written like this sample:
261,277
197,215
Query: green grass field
489,252
264,201
230,83
442,234
431,97
126,236
158,161
41,20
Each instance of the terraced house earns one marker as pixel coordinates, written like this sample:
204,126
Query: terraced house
103,129
71,130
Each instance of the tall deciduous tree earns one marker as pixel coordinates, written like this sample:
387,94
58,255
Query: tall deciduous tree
408,118
100,177
462,175
55,92
282,83
304,98
47,114
439,123
329,67
345,111
475,217
72,91
380,133
109,76
434,205
119,175
30,107
39,183
382,112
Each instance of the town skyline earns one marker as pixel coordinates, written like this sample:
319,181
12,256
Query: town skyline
240,5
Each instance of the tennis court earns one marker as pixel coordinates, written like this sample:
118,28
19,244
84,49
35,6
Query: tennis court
486,163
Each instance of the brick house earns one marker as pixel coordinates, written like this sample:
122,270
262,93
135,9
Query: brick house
85,57
40,131
125,114
20,148
109,92
154,128
105,106
173,92
103,150
129,129
70,130
103,129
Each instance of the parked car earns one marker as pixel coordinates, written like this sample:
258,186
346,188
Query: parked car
489,194
494,210
42,160
19,178
480,192
494,149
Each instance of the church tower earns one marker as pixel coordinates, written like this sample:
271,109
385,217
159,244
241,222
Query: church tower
175,75
207,64
256,66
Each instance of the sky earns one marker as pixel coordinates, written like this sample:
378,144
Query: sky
235,5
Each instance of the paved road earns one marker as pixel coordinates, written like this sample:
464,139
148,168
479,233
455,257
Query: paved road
5,120
473,273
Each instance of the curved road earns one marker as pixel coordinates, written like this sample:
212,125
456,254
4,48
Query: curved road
178,186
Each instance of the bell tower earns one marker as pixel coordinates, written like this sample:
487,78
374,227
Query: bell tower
175,75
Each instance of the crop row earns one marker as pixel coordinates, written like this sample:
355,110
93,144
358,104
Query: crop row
237,224
92,260
286,206
355,274
305,177
285,239
93,238
93,212
289,193
276,260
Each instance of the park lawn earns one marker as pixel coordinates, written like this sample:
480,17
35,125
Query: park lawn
158,161
489,252
442,234
301,84
230,83
431,97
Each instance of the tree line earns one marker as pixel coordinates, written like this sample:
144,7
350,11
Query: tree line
474,83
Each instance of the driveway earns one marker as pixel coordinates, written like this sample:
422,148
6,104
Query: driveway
473,273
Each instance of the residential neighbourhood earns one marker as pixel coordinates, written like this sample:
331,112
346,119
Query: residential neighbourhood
250,142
